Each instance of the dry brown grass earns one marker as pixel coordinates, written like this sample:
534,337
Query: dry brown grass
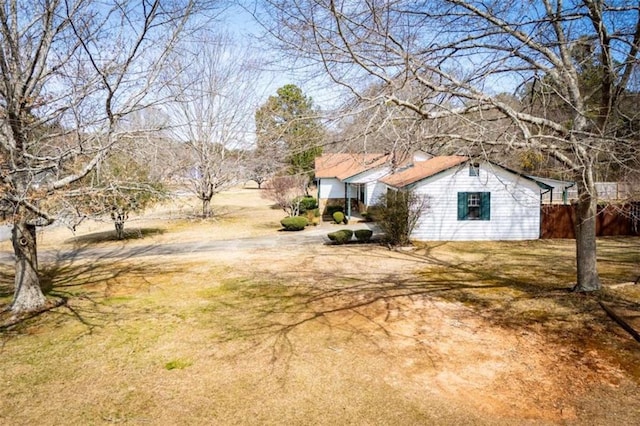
442,334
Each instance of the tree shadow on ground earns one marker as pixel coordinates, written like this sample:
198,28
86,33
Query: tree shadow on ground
6,281
82,284
528,284
108,236
526,288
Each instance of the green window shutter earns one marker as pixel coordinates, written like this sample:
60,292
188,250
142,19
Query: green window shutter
463,207
485,206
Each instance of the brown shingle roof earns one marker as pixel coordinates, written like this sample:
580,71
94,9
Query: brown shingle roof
343,165
423,169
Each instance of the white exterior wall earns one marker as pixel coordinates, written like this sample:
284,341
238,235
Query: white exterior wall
330,188
515,206
374,191
373,188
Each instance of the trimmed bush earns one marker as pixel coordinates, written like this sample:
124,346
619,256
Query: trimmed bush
363,234
294,223
340,237
307,204
338,217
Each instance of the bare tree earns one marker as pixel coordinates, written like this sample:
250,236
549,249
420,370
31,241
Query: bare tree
214,99
398,213
120,185
385,128
261,164
287,192
152,143
465,53
70,73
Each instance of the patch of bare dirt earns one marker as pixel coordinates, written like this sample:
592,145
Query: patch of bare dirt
446,349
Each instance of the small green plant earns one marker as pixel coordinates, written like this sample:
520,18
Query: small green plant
177,364
307,203
338,217
294,223
363,235
341,237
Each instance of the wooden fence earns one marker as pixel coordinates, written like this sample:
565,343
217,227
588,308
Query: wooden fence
558,221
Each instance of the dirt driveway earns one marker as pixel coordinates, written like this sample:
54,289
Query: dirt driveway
206,247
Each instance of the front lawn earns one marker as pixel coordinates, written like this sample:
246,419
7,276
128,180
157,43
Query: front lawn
445,333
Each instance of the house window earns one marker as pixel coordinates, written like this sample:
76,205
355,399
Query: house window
361,194
474,169
474,206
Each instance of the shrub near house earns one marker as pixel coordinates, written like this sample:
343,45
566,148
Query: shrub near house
363,235
294,223
338,217
341,237
307,212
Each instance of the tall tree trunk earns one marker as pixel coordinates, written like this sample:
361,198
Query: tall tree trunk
28,295
119,217
119,225
586,253
206,207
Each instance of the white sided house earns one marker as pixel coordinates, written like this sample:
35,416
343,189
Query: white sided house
472,200
466,200
350,180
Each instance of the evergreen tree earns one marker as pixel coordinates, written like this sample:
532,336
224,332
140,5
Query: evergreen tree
288,125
